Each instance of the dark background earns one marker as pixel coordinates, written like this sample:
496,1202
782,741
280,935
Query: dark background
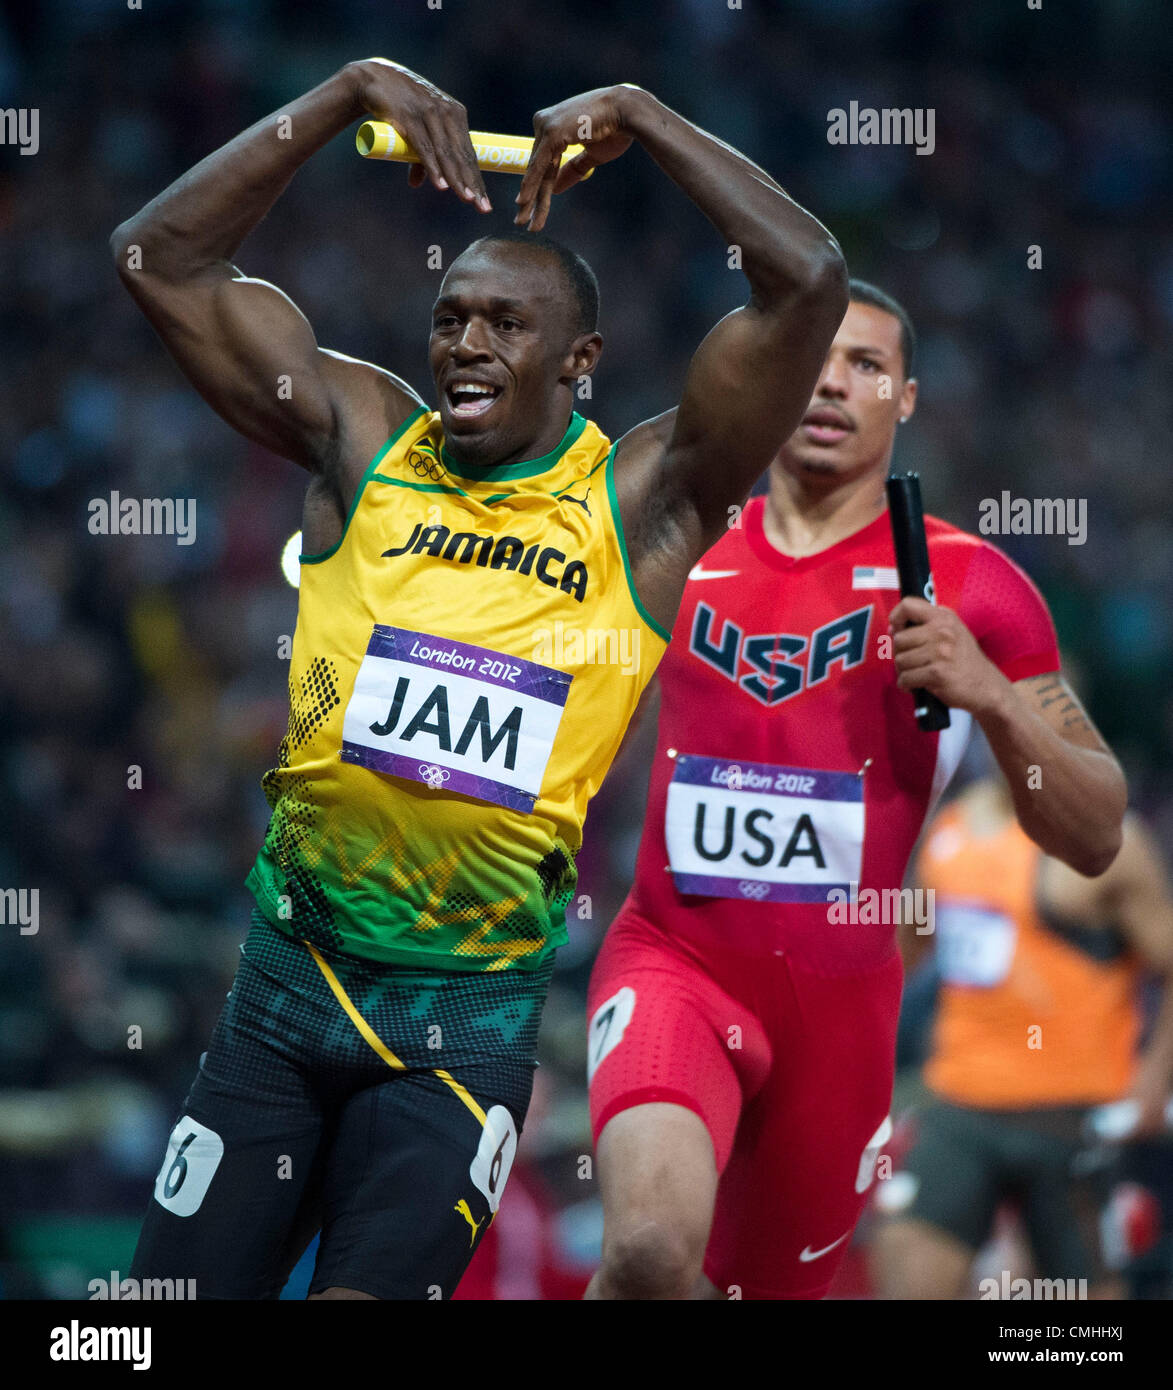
1052,129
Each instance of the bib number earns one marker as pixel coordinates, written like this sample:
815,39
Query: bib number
975,944
759,832
454,716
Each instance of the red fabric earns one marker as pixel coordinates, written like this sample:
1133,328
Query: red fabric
517,1257
791,1073
832,715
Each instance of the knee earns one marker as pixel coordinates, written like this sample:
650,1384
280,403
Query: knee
651,1260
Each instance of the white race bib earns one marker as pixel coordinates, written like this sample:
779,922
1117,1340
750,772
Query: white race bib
762,832
975,944
456,717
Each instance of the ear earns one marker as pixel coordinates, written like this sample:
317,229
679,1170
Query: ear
582,356
908,400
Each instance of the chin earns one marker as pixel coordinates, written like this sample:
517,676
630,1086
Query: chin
820,465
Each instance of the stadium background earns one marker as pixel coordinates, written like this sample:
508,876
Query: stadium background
122,651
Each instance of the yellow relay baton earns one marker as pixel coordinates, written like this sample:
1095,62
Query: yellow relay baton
503,154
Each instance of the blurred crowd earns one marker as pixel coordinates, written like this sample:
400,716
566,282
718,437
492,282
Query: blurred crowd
142,685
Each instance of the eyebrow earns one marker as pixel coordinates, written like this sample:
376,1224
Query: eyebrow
870,351
497,305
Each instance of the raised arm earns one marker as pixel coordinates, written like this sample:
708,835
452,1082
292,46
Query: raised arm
751,378
244,344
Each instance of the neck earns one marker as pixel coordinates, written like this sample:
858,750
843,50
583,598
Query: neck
801,520
466,453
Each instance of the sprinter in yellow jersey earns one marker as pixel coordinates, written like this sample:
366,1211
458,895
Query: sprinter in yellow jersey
486,589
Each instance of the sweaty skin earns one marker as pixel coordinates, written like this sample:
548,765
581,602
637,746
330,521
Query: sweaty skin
504,319
503,316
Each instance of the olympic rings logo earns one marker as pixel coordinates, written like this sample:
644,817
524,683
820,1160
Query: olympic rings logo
434,776
751,888
425,465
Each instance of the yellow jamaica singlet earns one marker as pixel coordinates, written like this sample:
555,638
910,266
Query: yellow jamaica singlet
466,660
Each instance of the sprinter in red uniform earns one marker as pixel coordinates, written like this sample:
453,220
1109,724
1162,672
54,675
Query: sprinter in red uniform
743,1007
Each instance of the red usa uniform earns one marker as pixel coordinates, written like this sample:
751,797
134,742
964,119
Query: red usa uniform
746,976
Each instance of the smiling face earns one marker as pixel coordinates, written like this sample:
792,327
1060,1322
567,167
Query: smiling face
504,353
849,427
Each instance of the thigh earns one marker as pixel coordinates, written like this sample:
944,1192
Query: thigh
1061,1210
416,1171
234,1201
662,1034
951,1178
807,1145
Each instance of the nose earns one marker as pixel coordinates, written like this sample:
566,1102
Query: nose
833,380
472,345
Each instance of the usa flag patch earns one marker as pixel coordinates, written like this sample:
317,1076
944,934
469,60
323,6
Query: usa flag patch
874,577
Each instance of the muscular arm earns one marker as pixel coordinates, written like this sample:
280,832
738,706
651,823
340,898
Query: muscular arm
752,376
236,338
1073,805
1068,789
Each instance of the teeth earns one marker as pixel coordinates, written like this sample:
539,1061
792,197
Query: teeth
469,388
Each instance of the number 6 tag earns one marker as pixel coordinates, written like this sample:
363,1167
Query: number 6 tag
193,1154
494,1157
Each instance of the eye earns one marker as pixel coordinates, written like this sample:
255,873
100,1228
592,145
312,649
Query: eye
443,321
869,364
508,325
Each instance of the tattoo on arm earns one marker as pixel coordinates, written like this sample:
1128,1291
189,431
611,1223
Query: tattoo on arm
1054,688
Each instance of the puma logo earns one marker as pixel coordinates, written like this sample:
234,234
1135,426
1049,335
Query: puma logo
466,1211
579,501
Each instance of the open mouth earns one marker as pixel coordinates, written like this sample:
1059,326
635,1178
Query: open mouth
469,399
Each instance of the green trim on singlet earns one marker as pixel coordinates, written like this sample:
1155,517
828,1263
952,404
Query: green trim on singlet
417,487
366,478
578,481
527,468
618,520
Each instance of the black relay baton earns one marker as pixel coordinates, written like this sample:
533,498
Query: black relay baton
907,515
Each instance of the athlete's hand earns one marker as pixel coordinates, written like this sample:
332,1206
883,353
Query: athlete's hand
595,120
434,124
934,650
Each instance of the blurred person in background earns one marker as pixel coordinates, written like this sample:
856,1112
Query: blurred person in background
131,651
1038,1024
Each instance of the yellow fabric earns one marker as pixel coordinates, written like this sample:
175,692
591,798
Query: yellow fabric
393,869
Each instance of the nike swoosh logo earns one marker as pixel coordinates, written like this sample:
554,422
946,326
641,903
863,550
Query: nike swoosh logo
808,1254
699,572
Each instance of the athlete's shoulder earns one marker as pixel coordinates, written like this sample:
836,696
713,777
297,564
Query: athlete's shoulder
961,551
996,599
943,535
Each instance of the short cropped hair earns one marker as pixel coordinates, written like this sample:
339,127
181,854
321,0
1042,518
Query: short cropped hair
860,292
580,278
